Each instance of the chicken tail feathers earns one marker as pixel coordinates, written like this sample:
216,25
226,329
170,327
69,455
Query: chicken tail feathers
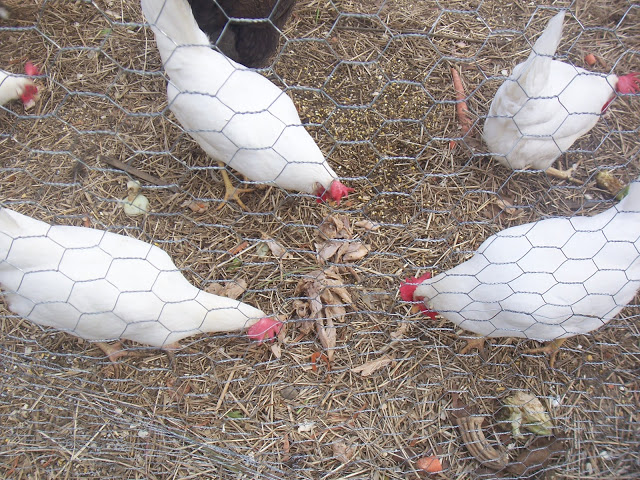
548,42
533,73
173,24
14,224
8,225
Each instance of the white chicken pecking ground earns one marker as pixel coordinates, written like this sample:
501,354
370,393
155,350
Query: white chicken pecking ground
101,286
236,115
546,105
14,87
547,280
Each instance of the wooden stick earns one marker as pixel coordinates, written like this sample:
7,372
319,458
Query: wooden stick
137,173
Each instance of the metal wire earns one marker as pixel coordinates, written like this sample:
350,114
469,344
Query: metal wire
371,82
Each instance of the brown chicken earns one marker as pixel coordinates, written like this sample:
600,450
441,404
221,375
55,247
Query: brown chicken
250,43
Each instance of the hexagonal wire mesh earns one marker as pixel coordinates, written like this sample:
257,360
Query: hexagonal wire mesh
371,80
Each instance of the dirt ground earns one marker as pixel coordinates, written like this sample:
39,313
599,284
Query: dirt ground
372,81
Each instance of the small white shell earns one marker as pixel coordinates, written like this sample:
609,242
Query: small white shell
135,203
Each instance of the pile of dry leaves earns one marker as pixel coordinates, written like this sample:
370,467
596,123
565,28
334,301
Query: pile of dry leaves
323,295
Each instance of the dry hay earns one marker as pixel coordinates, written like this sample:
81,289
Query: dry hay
376,92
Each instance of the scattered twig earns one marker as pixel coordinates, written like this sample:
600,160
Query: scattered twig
137,173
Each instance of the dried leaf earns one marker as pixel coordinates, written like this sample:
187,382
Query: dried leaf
506,205
355,251
289,392
526,411
315,356
535,456
316,306
336,226
371,366
306,427
368,225
342,294
325,301
327,337
276,349
305,328
278,250
177,390
214,288
286,448
195,206
234,289
342,452
262,250
302,308
231,289
335,311
328,227
283,328
430,464
400,331
327,249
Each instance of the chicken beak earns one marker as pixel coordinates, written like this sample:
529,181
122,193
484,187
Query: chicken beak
415,309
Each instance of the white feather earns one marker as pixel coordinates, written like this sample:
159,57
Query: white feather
102,286
11,87
544,106
549,279
236,115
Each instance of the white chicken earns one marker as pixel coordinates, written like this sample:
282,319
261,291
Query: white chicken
102,286
14,87
236,115
546,281
546,105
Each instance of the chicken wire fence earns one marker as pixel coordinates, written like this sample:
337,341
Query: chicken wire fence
372,82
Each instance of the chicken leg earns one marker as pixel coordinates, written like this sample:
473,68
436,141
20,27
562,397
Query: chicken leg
564,174
551,349
474,342
116,351
230,190
113,353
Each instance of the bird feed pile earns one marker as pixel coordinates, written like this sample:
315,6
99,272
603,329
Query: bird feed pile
355,385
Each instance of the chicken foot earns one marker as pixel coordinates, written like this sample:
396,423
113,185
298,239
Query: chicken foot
231,192
474,342
116,351
551,349
564,174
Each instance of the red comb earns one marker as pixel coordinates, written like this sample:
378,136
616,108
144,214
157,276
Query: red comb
264,329
336,191
30,69
30,91
408,287
629,83
407,290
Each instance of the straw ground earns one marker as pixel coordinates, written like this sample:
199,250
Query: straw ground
372,81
